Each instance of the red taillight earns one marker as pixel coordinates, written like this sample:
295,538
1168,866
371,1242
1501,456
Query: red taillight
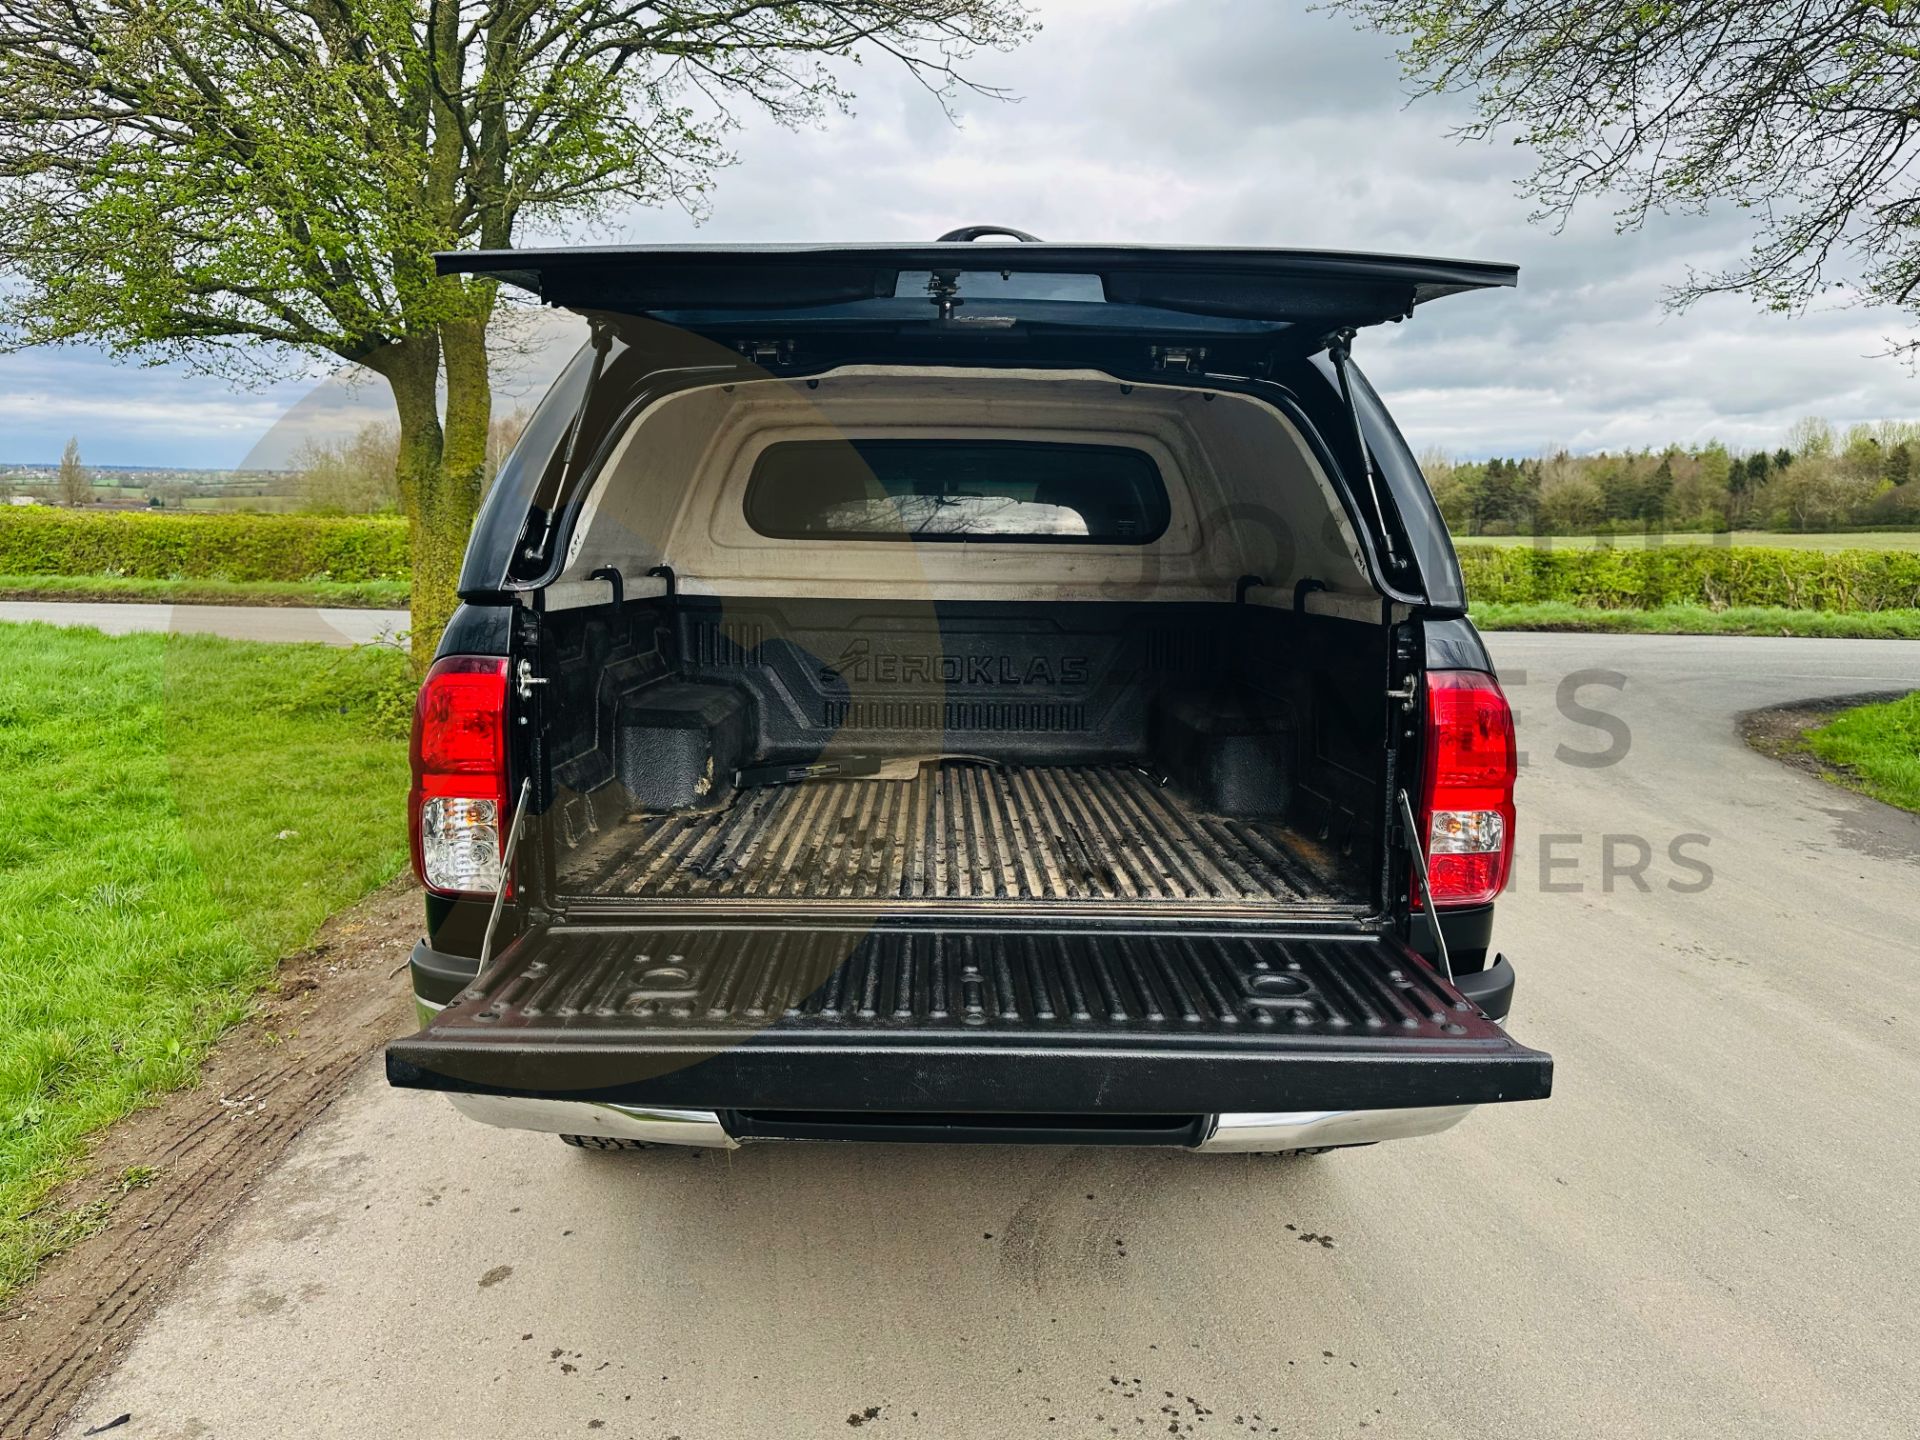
1466,795
458,806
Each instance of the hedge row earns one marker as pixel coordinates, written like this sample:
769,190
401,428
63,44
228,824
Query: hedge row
150,545
42,540
1716,576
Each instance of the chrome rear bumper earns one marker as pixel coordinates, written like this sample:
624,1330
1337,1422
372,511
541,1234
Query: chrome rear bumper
700,1128
1313,1129
1230,1134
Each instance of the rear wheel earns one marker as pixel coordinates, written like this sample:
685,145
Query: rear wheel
605,1142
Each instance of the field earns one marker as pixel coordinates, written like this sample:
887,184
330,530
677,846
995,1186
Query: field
180,811
1827,540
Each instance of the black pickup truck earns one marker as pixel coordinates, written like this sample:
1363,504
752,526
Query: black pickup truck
960,691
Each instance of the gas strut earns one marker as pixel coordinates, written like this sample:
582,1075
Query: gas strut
1340,349
1419,854
601,336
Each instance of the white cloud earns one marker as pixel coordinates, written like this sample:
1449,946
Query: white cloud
1235,122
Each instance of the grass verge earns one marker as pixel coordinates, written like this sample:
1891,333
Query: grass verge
329,594
1699,620
180,811
1876,748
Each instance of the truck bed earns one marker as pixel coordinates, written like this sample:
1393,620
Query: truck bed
955,831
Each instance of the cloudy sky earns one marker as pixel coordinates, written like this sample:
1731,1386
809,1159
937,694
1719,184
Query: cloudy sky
1203,121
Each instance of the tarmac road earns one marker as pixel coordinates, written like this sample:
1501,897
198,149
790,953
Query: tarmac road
236,622
1710,1229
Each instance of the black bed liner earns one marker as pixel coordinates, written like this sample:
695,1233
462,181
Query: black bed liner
955,831
902,1015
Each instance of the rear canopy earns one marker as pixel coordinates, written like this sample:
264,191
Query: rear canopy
959,286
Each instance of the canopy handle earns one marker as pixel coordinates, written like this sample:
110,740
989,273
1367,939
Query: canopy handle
974,232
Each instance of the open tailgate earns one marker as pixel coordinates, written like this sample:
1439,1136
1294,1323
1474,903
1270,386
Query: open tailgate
900,1015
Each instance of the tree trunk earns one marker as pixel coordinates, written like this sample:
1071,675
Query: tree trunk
436,523
469,409
440,542
441,464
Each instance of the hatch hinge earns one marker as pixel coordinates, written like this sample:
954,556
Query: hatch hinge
767,352
943,289
1189,359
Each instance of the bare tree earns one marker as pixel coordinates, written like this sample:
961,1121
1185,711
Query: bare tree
1805,114
74,484
352,476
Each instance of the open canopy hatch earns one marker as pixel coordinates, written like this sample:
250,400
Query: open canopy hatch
672,317
955,286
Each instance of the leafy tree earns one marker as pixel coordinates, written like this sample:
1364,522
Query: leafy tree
1570,503
1897,505
1816,493
73,484
1900,463
247,183
1701,498
1811,437
1501,491
1798,112
1456,490
1655,494
1782,458
1861,458
1716,465
1622,480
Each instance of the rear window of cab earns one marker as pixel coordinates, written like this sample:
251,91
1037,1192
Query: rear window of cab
985,491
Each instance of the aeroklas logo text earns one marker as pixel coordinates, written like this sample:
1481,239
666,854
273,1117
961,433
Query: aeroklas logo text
860,663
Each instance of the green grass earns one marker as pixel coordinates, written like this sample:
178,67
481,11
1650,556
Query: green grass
1698,620
335,594
1879,747
179,811
1823,540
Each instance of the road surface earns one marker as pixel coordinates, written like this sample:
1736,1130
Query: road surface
237,622
1709,1230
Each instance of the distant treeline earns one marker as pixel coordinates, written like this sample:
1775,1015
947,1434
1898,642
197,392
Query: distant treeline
1816,481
